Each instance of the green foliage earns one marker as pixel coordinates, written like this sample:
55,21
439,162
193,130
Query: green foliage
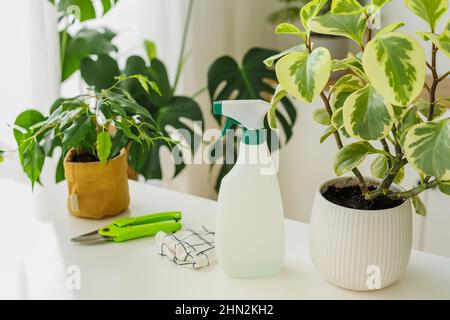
85,43
147,84
82,10
101,129
429,10
377,96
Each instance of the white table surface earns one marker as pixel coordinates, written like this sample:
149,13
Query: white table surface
36,253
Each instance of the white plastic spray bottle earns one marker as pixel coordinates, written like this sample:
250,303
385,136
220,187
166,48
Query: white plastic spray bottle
250,223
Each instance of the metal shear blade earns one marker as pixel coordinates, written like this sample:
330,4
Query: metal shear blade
91,237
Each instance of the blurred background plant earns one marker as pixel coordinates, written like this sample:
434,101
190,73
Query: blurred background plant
92,52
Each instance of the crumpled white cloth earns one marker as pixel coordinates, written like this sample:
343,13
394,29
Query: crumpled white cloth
192,248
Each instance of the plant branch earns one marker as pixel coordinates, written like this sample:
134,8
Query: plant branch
340,145
433,87
183,45
443,76
414,191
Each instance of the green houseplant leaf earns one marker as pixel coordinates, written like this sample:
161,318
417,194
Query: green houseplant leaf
288,28
395,66
350,156
84,43
103,146
351,26
345,7
380,168
33,160
304,75
427,148
442,41
322,117
310,11
419,206
366,116
429,10
82,9
100,73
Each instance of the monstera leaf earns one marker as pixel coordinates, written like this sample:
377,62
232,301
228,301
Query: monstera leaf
85,43
165,108
83,9
227,79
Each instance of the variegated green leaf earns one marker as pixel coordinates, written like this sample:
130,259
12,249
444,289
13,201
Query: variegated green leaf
304,75
337,119
347,81
442,41
279,94
270,60
419,206
309,11
429,10
351,26
444,187
345,7
367,116
407,119
344,87
331,130
322,117
423,106
339,97
351,63
427,148
288,28
380,168
395,66
390,28
380,3
350,156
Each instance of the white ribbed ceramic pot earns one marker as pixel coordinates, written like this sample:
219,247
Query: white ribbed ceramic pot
359,249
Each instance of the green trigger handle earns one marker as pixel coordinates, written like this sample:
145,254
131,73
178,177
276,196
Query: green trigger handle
129,228
229,122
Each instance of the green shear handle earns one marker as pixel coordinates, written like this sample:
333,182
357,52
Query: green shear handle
129,228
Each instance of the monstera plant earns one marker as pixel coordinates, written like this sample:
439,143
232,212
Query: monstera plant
227,79
378,97
77,45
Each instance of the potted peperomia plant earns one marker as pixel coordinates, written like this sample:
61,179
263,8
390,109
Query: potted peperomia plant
94,131
361,228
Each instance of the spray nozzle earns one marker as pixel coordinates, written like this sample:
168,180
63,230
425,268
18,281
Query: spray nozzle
249,114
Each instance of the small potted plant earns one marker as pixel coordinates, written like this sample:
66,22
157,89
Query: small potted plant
94,131
361,228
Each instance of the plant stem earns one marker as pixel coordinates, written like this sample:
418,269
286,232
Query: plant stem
414,191
183,45
340,145
444,76
434,84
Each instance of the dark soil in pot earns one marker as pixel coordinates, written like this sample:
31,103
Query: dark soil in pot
84,157
351,197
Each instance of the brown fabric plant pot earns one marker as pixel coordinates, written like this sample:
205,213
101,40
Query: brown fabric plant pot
97,191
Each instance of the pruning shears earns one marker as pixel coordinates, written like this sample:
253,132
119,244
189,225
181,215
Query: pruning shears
129,228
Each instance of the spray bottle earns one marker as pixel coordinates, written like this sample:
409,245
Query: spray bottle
250,223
